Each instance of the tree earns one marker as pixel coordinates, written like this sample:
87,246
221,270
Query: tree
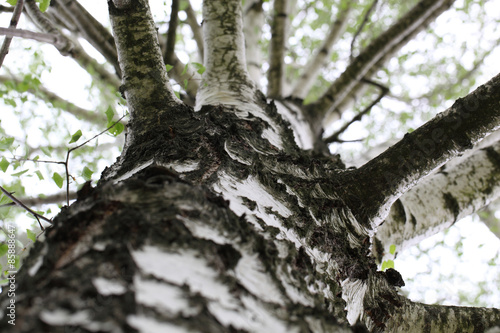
230,214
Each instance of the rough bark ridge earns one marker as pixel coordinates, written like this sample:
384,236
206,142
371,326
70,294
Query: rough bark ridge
216,221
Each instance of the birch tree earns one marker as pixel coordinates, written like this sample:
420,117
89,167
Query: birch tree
226,211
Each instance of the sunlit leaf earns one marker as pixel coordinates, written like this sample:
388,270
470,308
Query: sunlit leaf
392,249
87,173
168,67
31,235
58,179
76,136
3,249
44,4
4,164
17,174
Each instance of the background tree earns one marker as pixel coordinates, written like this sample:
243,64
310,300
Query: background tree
226,210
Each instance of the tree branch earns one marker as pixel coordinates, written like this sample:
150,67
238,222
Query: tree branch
316,62
368,57
442,199
13,24
145,81
279,32
172,30
253,17
59,102
383,91
192,21
378,183
68,46
226,79
362,25
91,29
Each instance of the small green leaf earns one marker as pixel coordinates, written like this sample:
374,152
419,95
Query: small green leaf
87,173
46,151
384,266
39,174
17,174
392,249
76,136
5,143
4,164
58,179
184,71
3,249
168,67
36,158
44,4
12,2
390,264
117,129
31,235
199,67
110,114
185,84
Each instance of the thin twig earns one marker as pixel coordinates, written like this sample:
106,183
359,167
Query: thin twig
362,25
383,91
32,212
13,24
66,163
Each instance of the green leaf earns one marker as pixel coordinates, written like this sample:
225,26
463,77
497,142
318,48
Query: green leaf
12,2
185,84
384,266
87,173
117,129
4,164
46,151
392,249
184,71
17,174
3,249
199,67
44,4
5,143
58,179
390,263
76,136
39,174
31,235
168,67
110,113
4,282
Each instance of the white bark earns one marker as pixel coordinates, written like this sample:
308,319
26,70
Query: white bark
253,21
443,198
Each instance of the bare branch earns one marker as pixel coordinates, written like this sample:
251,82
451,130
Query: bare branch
279,31
13,24
59,102
192,21
362,25
381,181
38,36
316,62
172,30
253,17
68,46
91,29
57,198
22,205
335,136
373,53
187,77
